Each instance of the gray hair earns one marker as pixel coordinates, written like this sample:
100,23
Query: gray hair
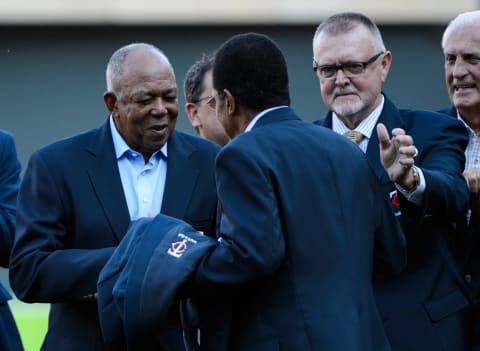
344,22
116,64
193,83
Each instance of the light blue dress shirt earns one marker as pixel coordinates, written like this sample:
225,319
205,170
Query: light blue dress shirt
143,183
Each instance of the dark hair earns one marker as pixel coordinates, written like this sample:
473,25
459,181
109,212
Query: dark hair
252,67
193,83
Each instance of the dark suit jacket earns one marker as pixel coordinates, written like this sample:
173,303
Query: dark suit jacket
9,182
469,257
138,287
469,253
299,240
422,308
72,213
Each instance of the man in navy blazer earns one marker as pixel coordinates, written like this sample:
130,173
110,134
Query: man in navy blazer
461,47
299,238
9,182
79,195
420,168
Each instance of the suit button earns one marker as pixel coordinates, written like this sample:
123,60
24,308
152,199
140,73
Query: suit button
468,278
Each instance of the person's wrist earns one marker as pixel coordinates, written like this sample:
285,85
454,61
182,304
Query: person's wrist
414,180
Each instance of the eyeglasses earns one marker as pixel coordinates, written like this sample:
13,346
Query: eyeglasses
210,101
350,69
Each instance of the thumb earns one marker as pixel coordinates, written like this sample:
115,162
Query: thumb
383,137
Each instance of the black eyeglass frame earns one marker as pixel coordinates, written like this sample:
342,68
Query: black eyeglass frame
342,66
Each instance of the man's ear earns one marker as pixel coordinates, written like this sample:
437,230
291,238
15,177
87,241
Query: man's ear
192,112
230,101
386,62
110,101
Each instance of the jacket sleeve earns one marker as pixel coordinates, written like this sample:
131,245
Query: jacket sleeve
251,242
442,160
44,266
9,182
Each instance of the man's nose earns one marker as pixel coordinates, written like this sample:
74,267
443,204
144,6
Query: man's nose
159,106
340,77
460,68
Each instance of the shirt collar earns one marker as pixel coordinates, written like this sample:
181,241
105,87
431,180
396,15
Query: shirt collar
260,115
121,147
365,127
470,130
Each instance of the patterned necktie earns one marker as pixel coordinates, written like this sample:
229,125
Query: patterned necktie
354,136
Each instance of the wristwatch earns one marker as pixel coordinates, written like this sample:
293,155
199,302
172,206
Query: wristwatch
416,179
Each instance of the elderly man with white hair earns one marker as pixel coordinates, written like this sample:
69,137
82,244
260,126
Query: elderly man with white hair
461,47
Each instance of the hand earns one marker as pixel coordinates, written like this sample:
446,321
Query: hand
472,176
397,156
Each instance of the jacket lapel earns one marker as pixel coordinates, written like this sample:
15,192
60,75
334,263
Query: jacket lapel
373,155
106,182
391,118
181,176
327,121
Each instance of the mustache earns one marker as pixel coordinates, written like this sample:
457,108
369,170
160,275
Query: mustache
343,91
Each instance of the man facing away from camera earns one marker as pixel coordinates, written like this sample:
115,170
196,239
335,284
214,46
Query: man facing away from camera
296,251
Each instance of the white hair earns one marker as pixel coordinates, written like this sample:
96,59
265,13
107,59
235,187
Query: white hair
463,19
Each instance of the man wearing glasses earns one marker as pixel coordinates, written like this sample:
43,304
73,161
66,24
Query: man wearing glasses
200,104
420,168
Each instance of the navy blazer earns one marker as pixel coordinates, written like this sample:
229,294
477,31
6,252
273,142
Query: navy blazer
299,240
72,213
470,238
423,307
469,257
9,183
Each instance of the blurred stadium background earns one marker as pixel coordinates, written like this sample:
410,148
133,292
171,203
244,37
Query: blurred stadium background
53,55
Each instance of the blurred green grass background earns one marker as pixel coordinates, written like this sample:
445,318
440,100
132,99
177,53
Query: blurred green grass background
32,322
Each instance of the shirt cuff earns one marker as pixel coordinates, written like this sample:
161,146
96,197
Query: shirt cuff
416,195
